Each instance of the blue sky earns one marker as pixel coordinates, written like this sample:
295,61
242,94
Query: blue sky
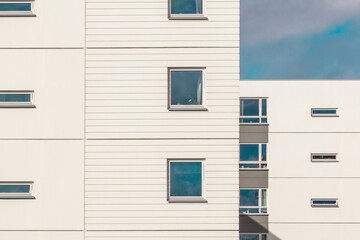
300,39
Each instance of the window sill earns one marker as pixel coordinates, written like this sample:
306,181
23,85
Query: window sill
188,18
321,116
254,124
200,108
17,106
18,15
187,200
16,197
253,169
253,214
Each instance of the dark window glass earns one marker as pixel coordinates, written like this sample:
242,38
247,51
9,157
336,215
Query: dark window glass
251,165
249,197
324,157
185,179
263,152
264,107
186,87
324,202
249,210
249,120
263,120
186,7
249,237
15,7
249,152
249,107
15,97
324,111
14,188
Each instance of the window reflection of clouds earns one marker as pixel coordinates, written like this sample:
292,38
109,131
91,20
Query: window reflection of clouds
249,197
185,178
186,6
186,87
249,152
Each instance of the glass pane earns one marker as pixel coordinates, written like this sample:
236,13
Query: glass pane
249,165
249,107
249,120
14,188
324,111
249,210
263,152
263,107
249,152
263,165
264,210
249,197
9,7
264,120
263,237
324,202
325,156
249,237
186,87
15,97
263,197
186,7
185,179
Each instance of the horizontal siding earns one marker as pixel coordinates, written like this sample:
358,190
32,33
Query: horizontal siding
139,23
126,185
126,94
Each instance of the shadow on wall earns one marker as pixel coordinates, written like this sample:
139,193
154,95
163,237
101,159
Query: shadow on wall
256,224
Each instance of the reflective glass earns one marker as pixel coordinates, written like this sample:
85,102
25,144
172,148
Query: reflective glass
249,197
186,87
324,111
249,120
324,157
249,107
324,202
263,107
250,165
15,7
249,152
185,179
264,210
15,97
249,237
263,237
249,210
14,188
263,120
263,152
263,197
186,7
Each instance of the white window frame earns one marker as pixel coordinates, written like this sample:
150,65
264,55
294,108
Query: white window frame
259,202
187,16
28,195
30,104
30,13
259,161
186,199
260,235
187,107
260,111
324,205
324,115
324,160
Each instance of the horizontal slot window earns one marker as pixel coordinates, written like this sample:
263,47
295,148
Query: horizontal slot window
18,8
324,112
16,99
16,190
324,202
324,157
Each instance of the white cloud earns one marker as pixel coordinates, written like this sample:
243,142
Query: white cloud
271,20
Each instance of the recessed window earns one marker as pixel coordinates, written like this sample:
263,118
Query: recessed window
185,181
253,111
253,201
253,237
186,89
324,112
16,190
16,8
253,156
186,9
13,99
324,157
324,202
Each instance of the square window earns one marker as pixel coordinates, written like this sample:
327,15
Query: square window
16,99
253,111
16,8
16,190
253,201
253,156
185,181
186,9
186,89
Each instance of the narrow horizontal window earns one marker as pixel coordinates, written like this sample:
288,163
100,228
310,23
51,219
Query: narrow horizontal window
186,89
253,111
324,202
253,201
186,9
324,157
16,8
253,156
16,190
253,237
21,99
324,112
185,181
